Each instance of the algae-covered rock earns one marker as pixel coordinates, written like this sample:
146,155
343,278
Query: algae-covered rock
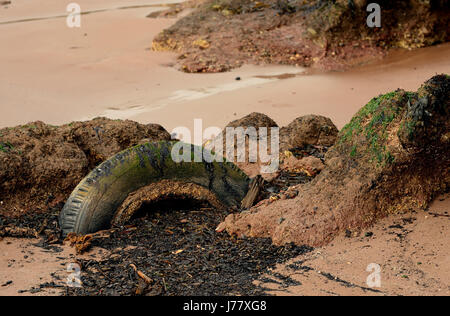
41,164
320,33
393,157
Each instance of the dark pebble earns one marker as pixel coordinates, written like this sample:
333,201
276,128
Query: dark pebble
7,283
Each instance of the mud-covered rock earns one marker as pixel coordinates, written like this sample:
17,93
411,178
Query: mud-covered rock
304,132
250,127
309,165
40,164
313,130
320,33
407,24
254,119
393,157
101,138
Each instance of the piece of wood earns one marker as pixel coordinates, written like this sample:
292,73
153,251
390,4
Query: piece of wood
254,190
141,274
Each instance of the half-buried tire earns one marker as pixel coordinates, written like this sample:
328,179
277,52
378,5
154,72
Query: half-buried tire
93,203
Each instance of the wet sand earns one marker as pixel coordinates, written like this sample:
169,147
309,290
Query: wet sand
24,266
56,74
410,250
105,68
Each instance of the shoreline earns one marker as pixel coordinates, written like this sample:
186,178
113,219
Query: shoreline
106,68
59,75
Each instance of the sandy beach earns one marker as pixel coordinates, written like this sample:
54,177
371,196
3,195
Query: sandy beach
57,74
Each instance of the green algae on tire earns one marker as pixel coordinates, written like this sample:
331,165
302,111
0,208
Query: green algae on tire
93,203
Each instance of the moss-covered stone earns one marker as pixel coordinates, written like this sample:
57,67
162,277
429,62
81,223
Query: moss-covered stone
6,147
329,34
367,132
393,157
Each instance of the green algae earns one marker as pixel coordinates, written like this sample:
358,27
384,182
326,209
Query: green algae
356,124
6,147
372,122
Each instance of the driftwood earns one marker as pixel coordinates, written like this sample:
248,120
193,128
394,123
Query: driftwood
141,274
254,189
144,281
18,232
83,243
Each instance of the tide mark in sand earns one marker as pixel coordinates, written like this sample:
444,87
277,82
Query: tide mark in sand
298,266
280,76
87,12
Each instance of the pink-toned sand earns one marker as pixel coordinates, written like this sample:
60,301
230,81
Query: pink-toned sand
414,260
411,250
57,74
24,266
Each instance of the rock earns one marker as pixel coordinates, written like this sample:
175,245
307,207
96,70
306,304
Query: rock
309,165
101,138
254,190
332,35
391,158
203,44
255,120
44,160
305,130
308,130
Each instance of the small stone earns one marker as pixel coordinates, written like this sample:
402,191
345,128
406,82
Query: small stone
227,12
7,283
312,31
203,44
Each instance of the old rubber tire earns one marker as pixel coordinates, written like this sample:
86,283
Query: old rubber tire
93,203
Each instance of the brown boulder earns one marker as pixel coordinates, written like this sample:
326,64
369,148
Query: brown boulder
313,130
41,164
393,157
255,120
331,35
309,165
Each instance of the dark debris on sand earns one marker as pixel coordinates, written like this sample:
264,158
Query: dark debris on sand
42,225
173,243
179,252
286,178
